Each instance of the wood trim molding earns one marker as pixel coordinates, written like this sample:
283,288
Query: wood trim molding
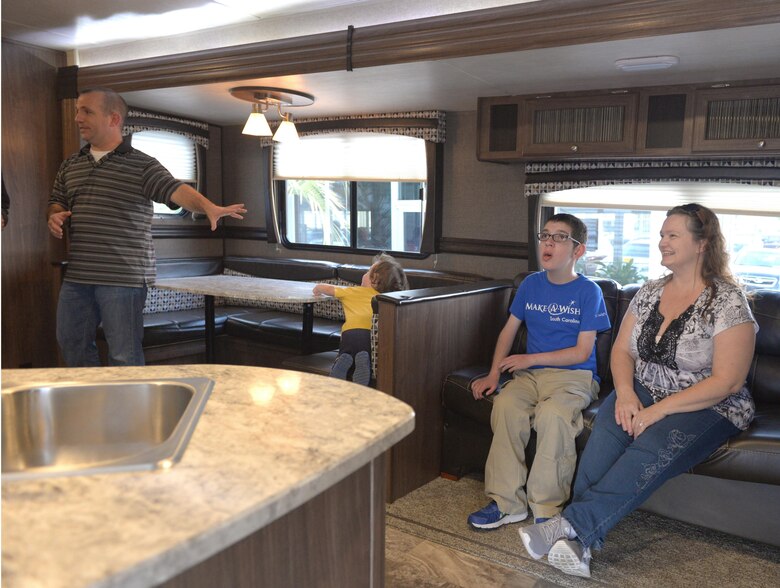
189,231
252,233
484,248
309,54
519,27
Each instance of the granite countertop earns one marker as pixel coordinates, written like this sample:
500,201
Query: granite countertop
267,442
244,287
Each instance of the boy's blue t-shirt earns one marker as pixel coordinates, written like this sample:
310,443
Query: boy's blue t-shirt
554,315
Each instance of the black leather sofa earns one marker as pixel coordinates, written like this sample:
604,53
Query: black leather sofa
736,490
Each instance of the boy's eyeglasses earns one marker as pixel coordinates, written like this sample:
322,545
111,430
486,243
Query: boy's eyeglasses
556,237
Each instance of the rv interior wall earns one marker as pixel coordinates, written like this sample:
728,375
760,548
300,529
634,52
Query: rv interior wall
496,190
31,154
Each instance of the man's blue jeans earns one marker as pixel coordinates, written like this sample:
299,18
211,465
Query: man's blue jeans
617,473
82,307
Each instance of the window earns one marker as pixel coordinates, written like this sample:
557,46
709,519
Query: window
624,222
175,152
358,190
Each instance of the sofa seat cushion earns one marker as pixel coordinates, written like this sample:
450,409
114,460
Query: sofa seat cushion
751,456
314,363
283,328
161,328
457,398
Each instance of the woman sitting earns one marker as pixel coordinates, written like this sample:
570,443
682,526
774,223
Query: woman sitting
679,366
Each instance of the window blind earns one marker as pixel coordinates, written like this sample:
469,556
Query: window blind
726,198
175,152
352,156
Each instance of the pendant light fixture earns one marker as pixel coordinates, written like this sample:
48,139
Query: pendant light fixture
262,98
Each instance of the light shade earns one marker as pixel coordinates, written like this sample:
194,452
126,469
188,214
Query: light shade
286,132
257,125
647,63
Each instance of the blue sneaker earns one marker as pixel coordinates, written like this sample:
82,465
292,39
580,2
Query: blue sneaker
538,520
491,517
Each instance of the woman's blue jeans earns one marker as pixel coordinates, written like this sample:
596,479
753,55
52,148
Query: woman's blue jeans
617,473
82,307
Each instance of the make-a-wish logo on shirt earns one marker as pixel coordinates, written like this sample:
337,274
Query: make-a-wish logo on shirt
557,312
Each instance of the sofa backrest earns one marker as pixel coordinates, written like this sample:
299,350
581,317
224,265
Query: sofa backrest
304,270
417,278
764,376
612,299
158,300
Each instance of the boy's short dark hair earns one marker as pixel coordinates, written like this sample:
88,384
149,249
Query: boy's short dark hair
388,275
579,230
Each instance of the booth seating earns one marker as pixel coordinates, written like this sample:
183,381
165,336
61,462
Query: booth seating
249,332
736,490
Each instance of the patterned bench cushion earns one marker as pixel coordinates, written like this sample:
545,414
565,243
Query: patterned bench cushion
329,308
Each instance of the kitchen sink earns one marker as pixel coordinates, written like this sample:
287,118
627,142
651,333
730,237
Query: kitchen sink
76,428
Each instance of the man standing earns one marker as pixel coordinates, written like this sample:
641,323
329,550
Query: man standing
105,193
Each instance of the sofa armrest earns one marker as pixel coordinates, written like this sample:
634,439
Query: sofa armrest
424,335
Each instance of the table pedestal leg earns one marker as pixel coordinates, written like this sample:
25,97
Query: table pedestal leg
210,320
307,328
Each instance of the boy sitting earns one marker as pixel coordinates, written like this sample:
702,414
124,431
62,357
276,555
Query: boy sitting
552,382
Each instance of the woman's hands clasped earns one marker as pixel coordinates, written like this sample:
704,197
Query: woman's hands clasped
634,418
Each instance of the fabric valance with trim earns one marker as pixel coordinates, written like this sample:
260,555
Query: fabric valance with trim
142,120
426,124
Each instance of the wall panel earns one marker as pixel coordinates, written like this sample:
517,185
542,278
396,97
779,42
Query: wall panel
31,154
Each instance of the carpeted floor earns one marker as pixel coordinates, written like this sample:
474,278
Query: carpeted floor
643,551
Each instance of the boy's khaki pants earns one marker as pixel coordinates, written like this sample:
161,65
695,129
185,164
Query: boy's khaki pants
551,401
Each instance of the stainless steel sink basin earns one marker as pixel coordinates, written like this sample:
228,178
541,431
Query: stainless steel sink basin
78,428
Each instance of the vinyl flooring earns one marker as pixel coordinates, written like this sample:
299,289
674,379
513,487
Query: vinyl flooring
412,562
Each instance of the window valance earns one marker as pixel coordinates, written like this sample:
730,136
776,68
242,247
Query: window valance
142,120
426,124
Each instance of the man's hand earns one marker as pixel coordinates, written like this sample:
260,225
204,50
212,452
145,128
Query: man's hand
56,220
214,213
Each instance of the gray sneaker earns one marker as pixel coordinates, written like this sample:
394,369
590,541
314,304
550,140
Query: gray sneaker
539,539
571,557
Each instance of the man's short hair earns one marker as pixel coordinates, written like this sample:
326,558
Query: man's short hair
112,102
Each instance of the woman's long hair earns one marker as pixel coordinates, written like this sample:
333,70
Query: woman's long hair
705,226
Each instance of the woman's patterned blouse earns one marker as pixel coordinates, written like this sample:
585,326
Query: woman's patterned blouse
682,357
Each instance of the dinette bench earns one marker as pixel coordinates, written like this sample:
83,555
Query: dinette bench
249,332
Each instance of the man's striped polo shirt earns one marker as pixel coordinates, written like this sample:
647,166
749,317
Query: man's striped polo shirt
111,225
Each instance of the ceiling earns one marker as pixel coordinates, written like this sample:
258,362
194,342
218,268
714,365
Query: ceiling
449,84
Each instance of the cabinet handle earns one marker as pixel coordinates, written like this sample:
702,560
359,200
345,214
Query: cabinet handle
574,148
761,144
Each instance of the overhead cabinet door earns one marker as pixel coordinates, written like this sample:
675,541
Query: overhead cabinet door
737,119
580,125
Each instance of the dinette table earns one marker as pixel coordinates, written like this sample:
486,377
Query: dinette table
248,288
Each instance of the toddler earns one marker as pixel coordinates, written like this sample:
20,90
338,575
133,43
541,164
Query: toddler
384,275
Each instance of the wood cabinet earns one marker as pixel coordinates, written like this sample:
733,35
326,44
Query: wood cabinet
602,124
665,122
672,121
499,128
737,120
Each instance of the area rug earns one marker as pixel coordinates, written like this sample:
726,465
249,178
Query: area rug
642,551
